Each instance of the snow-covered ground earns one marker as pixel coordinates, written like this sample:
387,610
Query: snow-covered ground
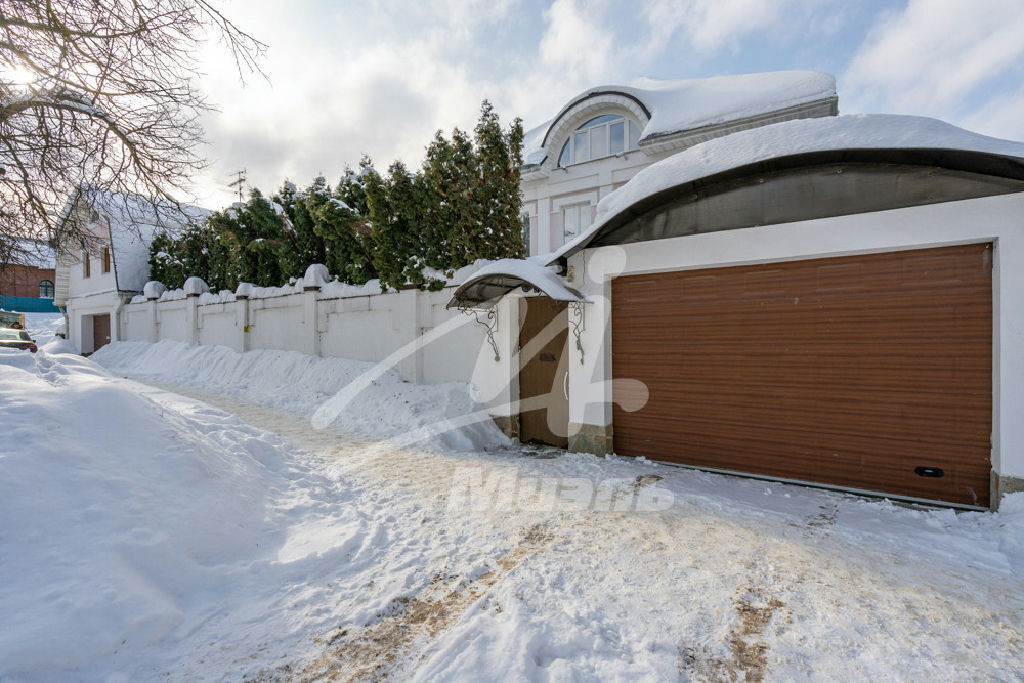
44,326
155,531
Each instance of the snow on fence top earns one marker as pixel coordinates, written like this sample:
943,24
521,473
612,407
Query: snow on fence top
316,276
789,138
685,104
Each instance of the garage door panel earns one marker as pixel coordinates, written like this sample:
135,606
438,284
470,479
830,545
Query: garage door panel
892,420
854,464
896,348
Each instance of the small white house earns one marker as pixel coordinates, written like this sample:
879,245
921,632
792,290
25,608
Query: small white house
833,301
98,275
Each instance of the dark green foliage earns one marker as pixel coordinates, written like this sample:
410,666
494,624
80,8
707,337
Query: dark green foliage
164,265
463,205
398,210
475,198
346,236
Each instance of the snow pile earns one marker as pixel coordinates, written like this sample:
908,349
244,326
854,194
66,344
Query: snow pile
170,295
341,290
387,407
222,297
32,252
116,515
151,536
863,131
43,327
194,286
685,104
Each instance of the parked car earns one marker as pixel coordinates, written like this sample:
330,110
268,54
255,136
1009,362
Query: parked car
17,339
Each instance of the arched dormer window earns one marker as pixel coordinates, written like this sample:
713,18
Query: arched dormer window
45,289
602,136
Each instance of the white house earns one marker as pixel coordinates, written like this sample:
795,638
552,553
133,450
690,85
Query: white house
833,301
103,271
602,137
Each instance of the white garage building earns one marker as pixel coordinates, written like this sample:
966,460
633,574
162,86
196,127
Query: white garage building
835,301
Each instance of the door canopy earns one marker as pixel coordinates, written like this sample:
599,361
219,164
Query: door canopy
490,283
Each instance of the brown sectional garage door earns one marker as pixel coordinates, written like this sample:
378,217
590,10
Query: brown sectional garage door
853,371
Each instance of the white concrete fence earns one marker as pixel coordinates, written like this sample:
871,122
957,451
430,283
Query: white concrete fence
410,330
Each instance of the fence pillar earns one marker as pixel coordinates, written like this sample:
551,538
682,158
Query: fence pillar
154,323
194,287
152,291
315,277
242,294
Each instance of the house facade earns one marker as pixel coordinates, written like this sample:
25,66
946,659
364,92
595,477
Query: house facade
604,136
27,284
101,272
832,301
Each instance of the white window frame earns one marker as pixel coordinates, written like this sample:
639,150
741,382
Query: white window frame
605,129
584,222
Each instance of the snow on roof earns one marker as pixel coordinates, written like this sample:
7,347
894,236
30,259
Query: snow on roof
497,279
685,104
134,222
35,253
789,138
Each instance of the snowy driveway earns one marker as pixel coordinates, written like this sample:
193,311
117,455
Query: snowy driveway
363,568
738,576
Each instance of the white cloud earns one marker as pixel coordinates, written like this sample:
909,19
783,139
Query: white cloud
1001,116
709,25
335,93
928,58
575,44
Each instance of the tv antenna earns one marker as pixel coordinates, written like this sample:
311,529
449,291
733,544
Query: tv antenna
239,182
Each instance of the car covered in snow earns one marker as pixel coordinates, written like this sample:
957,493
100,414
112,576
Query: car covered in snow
17,339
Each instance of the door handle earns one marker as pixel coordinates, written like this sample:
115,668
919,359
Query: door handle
565,385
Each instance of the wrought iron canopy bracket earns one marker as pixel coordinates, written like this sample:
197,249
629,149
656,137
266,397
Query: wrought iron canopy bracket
489,323
578,324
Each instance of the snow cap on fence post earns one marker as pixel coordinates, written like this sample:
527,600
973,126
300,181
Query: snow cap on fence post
316,277
194,286
152,290
244,290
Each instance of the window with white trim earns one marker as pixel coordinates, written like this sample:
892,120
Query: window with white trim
574,219
602,136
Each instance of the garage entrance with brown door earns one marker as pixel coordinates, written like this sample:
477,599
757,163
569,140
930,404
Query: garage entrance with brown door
869,372
543,373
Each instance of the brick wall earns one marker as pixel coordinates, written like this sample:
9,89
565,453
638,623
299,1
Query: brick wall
17,280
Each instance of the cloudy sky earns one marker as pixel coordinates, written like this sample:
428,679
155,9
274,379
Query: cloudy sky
348,77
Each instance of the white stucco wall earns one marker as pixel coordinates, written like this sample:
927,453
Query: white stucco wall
80,311
588,182
137,321
276,323
218,324
995,219
409,330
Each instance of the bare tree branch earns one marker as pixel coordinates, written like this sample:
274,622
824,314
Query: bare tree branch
107,100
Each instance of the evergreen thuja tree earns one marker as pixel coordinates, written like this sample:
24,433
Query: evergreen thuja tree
498,229
397,204
164,264
306,244
449,177
344,234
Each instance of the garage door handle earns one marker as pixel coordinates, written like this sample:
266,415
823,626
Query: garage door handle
565,385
